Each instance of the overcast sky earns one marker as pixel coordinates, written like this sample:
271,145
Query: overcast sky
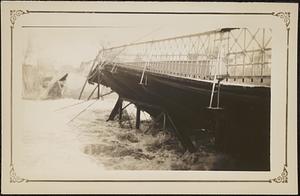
71,46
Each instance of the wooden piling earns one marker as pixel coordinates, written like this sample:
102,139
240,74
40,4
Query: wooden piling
120,110
117,108
82,89
92,94
164,121
98,77
138,117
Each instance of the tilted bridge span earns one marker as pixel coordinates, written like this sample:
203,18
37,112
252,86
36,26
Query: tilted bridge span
217,80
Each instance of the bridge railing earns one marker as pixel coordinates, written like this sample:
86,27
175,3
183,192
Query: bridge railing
238,55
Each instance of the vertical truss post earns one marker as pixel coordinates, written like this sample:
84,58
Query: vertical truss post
215,75
252,67
218,98
228,40
146,65
244,54
263,55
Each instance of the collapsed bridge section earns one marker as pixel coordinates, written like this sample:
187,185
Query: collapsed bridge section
217,80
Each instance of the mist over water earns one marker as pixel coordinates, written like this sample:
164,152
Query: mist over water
88,142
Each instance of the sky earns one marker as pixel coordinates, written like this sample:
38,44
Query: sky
72,40
70,46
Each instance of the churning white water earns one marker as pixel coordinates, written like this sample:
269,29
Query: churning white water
52,138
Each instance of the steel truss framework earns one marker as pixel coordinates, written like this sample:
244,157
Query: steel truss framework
238,55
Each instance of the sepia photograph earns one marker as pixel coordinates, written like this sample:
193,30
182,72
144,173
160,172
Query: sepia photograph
164,104
166,94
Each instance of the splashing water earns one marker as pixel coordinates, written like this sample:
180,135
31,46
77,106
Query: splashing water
49,141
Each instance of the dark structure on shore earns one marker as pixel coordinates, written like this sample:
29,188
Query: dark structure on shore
217,80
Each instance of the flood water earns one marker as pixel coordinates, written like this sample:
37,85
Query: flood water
52,138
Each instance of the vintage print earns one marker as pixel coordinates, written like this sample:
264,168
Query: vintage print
101,92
